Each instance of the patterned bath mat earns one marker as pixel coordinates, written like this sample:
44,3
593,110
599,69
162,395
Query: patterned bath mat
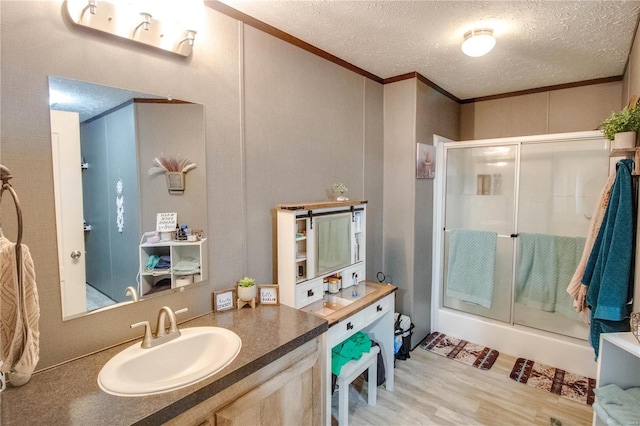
554,380
460,350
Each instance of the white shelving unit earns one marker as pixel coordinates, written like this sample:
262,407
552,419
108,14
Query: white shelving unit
177,251
298,277
618,363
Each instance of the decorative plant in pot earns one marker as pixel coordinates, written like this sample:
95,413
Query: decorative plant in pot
247,289
621,127
339,189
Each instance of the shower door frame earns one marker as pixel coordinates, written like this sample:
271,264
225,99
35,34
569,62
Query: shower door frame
496,333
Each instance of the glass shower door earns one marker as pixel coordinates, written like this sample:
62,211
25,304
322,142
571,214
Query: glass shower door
559,187
479,221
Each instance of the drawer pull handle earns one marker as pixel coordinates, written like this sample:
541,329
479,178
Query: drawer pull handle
378,308
310,293
349,326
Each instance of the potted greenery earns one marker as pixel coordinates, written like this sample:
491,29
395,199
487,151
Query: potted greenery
247,289
621,127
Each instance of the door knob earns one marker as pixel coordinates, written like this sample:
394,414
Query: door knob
76,254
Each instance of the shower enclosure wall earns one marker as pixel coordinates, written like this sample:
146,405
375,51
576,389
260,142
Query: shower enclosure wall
511,223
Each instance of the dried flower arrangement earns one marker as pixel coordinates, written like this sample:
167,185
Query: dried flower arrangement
164,164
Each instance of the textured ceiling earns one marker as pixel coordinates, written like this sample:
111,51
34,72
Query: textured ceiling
539,43
87,99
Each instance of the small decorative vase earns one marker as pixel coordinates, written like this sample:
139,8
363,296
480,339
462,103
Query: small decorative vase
247,293
341,197
624,140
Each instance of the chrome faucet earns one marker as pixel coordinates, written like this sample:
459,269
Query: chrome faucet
148,341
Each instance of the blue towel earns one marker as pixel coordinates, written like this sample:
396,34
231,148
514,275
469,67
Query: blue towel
546,264
537,276
569,255
472,261
608,270
617,405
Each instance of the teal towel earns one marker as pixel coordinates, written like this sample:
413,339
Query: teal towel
608,270
472,261
537,276
546,264
352,348
569,255
603,415
621,406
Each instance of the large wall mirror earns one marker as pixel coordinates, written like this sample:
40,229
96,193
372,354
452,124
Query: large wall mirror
109,192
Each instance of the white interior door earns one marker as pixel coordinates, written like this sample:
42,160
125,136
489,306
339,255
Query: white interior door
67,176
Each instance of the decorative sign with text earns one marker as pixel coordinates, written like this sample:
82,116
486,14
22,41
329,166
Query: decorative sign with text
166,222
269,294
225,299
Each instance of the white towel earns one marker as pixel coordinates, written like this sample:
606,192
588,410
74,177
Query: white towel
472,260
20,313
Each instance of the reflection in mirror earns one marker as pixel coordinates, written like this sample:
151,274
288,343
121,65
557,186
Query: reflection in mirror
104,142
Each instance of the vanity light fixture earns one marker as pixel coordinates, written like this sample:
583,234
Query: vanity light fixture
191,37
92,5
150,22
146,21
478,42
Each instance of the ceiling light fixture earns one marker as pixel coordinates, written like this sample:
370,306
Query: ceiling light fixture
478,42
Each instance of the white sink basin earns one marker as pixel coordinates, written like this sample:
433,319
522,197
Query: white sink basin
197,354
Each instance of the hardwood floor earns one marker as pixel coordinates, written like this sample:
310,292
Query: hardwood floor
433,390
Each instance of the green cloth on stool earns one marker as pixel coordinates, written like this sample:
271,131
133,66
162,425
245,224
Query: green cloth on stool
352,348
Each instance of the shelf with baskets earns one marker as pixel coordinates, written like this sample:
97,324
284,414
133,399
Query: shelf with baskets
171,264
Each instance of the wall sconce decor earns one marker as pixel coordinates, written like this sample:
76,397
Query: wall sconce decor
165,24
175,170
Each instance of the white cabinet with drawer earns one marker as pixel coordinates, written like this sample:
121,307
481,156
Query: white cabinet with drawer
319,240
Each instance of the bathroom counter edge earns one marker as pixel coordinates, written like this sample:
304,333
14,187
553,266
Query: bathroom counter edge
69,393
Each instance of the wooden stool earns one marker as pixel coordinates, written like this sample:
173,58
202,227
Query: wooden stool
348,373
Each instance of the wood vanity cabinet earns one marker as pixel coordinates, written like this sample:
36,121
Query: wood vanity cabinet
285,392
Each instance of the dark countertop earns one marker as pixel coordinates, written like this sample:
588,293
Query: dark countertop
69,393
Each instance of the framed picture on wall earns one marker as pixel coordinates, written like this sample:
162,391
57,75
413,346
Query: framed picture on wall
425,161
269,294
223,300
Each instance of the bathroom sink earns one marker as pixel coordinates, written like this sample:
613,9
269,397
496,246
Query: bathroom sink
330,304
335,302
198,353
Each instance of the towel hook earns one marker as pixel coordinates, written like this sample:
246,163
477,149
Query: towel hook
5,176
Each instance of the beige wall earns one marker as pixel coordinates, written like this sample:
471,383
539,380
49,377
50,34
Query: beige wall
557,111
413,113
281,125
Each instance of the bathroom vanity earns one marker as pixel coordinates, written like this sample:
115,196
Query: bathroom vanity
321,270
280,360
369,310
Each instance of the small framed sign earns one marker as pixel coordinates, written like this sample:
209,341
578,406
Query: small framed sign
269,294
225,299
166,222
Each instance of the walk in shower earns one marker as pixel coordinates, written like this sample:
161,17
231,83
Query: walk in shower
513,215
